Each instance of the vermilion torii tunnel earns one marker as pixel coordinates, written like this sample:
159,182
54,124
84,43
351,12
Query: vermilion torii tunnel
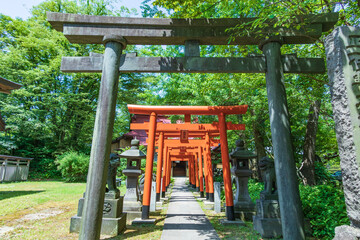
186,133
188,129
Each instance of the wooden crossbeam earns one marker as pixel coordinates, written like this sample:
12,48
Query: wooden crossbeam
256,64
190,143
183,110
178,153
168,31
176,134
192,127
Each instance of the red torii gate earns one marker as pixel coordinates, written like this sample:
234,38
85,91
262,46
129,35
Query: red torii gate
204,131
195,179
220,111
191,155
164,131
205,143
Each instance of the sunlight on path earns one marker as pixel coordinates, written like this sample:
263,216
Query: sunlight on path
185,219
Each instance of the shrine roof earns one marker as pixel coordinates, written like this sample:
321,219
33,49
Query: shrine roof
6,86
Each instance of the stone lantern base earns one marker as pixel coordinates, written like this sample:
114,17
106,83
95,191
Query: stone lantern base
114,220
245,210
132,209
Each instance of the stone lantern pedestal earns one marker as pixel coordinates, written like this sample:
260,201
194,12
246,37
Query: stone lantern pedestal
243,206
132,203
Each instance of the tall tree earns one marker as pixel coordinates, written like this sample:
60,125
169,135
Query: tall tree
307,168
53,111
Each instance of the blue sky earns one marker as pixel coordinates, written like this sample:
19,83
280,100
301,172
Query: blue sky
21,8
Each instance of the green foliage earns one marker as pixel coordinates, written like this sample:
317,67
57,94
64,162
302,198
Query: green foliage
44,168
73,166
324,206
54,111
322,175
255,189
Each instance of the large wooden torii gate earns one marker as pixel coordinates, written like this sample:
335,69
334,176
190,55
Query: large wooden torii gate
117,32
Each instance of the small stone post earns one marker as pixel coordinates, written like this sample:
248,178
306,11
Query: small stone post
289,196
100,150
342,48
217,198
153,197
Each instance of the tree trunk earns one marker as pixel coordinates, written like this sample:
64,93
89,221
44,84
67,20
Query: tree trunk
307,168
258,129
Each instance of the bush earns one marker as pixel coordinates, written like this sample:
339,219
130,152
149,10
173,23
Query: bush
44,169
255,188
324,206
73,166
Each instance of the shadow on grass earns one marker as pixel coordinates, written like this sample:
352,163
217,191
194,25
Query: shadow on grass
134,231
11,194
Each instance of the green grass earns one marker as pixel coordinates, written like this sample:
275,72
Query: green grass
20,200
15,197
229,232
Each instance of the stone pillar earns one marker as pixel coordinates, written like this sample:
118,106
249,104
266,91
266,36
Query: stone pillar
153,197
217,198
342,48
100,150
289,196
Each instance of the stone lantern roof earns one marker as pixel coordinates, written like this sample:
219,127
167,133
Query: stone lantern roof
240,152
134,151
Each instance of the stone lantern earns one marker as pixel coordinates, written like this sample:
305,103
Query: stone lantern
132,203
243,206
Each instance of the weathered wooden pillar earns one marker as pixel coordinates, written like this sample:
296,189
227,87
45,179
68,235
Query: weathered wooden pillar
100,150
193,184
206,174
226,169
201,175
288,189
169,170
149,167
209,168
164,172
159,166
196,172
190,172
